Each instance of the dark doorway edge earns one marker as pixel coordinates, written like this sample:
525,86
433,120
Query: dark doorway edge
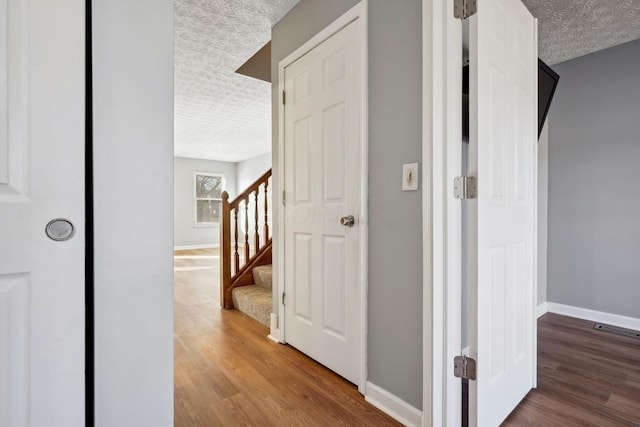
89,238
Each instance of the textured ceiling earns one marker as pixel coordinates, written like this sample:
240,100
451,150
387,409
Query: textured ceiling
221,115
225,116
568,29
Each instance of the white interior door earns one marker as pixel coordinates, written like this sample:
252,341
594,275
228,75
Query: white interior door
323,152
41,178
502,155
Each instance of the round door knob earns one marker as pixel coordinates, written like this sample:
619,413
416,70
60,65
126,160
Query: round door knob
348,221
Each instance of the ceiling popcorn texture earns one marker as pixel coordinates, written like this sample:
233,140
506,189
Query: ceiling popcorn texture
568,29
221,115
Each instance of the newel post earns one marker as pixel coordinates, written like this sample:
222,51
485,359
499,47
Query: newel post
225,252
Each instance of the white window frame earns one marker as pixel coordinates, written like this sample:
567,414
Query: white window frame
196,198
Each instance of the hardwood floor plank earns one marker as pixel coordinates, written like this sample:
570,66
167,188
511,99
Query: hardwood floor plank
227,372
238,410
192,410
624,404
569,385
551,411
586,377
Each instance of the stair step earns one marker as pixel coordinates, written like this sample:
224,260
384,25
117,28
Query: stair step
254,301
263,276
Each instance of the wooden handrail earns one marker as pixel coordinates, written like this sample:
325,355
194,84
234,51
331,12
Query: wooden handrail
229,279
250,189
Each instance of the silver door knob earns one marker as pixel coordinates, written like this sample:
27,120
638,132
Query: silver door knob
348,221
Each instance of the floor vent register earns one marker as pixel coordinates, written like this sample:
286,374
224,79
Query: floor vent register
619,331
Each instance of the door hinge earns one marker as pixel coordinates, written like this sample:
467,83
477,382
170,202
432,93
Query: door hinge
283,294
284,198
284,98
462,9
465,187
464,367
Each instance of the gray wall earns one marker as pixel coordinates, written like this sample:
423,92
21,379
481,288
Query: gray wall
251,169
543,204
395,225
594,201
185,233
133,126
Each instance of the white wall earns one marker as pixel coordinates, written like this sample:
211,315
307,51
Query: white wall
185,232
251,169
133,162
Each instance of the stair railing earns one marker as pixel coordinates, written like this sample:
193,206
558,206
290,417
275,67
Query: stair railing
238,259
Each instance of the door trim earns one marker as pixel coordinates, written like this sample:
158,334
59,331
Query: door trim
359,11
536,223
441,214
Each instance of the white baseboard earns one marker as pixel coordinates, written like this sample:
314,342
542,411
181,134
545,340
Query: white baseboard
393,406
274,338
191,247
542,309
274,334
595,316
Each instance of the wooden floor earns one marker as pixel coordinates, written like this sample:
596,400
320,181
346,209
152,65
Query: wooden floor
227,373
585,377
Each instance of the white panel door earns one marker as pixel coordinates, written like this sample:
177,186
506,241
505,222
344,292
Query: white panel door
41,178
323,153
503,147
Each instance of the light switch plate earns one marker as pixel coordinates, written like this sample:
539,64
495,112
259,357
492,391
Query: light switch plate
410,177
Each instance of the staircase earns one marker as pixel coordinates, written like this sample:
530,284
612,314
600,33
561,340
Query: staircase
255,301
245,253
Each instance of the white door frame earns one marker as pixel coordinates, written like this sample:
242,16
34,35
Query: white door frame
359,11
442,157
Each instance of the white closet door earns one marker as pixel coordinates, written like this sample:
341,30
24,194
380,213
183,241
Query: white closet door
42,370
322,182
503,147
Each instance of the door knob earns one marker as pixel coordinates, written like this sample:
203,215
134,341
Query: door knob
348,221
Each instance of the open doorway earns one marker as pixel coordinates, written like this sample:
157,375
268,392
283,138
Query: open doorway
222,147
222,141
225,365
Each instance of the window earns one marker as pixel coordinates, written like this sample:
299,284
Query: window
208,188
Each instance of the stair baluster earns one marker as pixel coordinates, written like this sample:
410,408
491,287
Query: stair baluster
256,236
262,255
237,256
246,230
266,211
225,247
